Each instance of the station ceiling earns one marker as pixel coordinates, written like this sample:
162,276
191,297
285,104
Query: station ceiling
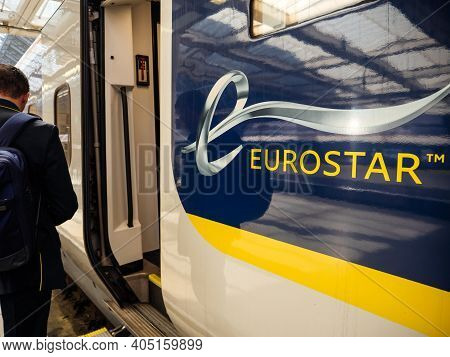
20,23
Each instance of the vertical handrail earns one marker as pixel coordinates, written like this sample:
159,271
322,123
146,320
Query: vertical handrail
126,139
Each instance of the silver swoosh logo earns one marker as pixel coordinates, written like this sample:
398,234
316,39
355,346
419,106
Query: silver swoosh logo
336,121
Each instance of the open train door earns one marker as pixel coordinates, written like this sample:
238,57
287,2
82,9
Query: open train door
120,78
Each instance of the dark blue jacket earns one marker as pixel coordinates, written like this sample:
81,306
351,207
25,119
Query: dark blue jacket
49,176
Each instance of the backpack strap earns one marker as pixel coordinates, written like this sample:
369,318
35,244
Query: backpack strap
13,126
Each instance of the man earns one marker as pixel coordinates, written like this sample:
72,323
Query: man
25,292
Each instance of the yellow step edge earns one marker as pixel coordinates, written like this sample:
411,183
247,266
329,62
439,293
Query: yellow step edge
95,333
155,279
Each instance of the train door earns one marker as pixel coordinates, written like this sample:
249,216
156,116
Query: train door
123,105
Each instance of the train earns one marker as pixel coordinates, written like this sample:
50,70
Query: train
254,167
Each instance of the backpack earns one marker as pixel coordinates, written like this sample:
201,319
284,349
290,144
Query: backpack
17,226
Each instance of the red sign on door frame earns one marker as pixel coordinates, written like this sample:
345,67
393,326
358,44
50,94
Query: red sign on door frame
142,70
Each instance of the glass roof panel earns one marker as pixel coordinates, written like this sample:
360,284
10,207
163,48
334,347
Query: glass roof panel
27,14
10,5
45,12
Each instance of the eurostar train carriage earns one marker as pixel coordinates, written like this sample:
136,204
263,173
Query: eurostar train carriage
255,167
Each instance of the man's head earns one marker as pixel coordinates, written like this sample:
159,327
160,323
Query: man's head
14,85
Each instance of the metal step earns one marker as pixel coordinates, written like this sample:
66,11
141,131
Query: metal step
142,320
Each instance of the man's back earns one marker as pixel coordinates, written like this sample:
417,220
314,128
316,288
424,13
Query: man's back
40,144
25,292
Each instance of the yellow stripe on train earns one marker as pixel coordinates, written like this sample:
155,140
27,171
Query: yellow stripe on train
414,305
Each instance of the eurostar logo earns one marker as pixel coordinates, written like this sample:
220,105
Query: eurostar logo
336,121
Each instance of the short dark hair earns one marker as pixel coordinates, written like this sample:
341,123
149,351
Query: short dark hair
13,83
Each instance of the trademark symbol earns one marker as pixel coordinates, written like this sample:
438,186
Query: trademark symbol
436,158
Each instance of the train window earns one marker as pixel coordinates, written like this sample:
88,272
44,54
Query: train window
274,15
63,120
